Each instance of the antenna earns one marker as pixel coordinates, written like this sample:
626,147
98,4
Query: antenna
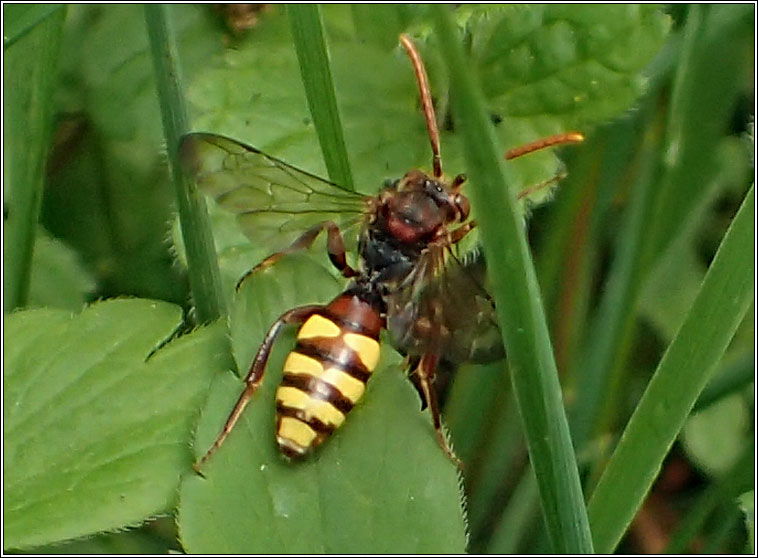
426,102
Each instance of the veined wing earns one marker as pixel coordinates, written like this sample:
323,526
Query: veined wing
274,202
444,307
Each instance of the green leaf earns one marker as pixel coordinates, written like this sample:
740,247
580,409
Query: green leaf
577,62
96,420
684,370
380,484
255,94
58,278
130,542
714,437
551,68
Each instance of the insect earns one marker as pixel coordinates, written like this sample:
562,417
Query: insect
405,236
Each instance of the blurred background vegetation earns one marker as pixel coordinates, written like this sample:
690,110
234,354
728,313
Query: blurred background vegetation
620,252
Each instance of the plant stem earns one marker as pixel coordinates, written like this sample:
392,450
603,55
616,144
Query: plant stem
308,35
522,318
204,275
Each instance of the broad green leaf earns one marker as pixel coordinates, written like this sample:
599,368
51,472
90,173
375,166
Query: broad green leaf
129,542
58,278
578,62
97,419
381,484
270,112
552,68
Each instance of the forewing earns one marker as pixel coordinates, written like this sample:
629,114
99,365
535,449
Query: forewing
274,202
444,307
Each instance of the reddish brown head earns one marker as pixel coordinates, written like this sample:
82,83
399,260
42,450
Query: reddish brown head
417,207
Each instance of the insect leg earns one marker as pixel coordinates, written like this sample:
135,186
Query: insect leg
425,373
335,247
255,375
458,234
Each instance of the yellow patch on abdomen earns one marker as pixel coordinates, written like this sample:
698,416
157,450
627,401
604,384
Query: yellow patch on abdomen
297,363
346,384
318,326
295,431
366,348
312,408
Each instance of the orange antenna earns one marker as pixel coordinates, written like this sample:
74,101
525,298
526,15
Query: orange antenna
426,102
550,141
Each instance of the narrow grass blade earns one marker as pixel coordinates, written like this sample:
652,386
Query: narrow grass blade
522,318
684,370
517,517
205,278
600,365
30,74
308,35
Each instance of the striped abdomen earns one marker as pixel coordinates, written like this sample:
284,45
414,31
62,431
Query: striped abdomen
325,375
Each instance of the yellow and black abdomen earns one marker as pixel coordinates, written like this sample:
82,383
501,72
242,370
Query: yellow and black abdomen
325,375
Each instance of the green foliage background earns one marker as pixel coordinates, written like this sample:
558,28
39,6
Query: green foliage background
103,408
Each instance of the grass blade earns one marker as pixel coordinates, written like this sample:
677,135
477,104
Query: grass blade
522,318
684,370
600,366
517,518
204,275
30,75
308,35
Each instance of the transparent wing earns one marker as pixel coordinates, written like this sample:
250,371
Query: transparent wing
274,202
444,307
